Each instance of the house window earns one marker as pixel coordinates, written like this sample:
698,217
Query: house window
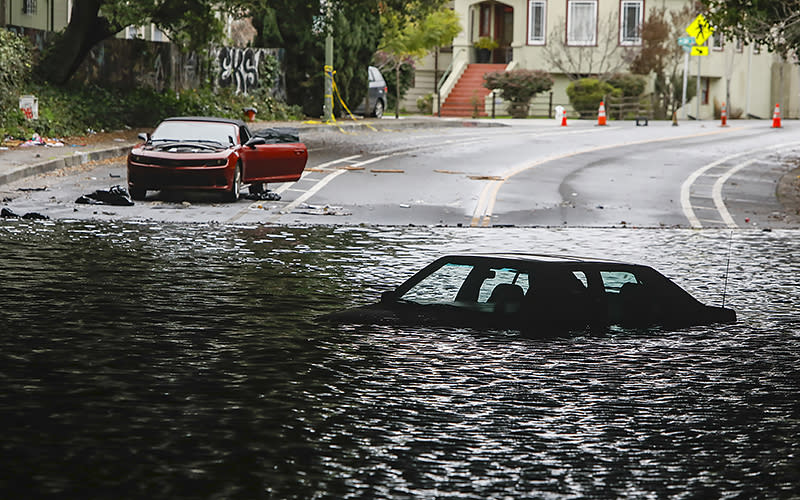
630,22
582,22
29,7
485,19
536,24
739,45
717,41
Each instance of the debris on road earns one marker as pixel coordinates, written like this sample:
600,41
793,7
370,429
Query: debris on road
485,177
8,214
320,210
116,195
264,195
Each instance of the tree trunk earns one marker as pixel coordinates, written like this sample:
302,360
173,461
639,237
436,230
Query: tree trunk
84,31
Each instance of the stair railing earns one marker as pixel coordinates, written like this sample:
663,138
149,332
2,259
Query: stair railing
449,79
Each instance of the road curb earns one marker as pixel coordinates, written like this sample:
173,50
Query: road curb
78,158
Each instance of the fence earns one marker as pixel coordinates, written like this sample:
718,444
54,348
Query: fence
628,107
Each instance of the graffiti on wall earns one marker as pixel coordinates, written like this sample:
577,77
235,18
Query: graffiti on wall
158,65
242,68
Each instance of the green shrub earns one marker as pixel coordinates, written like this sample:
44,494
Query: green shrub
15,68
585,95
73,110
425,104
630,85
518,87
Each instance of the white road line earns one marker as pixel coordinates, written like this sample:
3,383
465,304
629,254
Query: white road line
286,185
716,193
686,187
322,183
481,215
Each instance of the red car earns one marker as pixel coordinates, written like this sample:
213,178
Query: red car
200,153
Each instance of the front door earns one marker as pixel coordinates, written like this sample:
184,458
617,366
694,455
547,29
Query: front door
503,33
282,162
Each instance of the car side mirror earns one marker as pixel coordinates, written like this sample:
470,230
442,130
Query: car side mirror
144,136
255,141
389,296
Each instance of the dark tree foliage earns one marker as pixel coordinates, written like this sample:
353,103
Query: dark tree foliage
356,33
191,23
773,23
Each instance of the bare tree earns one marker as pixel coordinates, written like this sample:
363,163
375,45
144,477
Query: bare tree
601,60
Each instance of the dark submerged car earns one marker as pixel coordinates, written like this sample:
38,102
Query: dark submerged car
203,153
537,294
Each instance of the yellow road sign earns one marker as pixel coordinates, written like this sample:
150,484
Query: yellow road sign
700,29
699,51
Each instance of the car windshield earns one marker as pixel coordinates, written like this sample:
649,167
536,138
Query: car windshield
183,131
464,284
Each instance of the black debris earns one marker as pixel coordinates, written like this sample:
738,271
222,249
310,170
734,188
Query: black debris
264,195
116,195
8,214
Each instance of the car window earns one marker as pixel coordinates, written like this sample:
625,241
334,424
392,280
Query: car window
503,275
440,286
195,131
613,280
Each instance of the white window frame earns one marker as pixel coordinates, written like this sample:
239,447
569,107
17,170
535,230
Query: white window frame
532,38
591,24
717,41
624,21
29,7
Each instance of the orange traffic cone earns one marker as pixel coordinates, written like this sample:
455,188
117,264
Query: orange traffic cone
776,117
724,116
601,114
564,119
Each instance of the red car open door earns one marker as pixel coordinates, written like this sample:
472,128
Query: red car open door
282,162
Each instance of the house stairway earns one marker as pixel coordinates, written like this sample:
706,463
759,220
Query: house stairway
469,92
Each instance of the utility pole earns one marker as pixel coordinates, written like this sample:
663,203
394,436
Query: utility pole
327,104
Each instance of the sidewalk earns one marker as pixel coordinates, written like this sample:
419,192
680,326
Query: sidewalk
20,162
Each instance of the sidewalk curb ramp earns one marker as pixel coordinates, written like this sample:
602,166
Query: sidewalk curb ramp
78,158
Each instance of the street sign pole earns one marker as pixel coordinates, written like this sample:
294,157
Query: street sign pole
697,113
685,84
701,31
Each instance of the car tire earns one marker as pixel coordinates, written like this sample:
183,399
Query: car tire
378,111
137,194
236,187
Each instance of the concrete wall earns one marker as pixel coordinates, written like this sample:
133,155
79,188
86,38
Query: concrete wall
129,63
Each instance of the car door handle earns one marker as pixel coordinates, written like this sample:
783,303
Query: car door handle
298,152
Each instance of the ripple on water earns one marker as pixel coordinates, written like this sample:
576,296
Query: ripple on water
177,361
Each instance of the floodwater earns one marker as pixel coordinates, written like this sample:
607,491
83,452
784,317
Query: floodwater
183,361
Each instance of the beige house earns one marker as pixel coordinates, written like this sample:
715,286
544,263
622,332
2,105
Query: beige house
589,38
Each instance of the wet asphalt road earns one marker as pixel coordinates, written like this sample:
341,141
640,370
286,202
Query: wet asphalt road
530,173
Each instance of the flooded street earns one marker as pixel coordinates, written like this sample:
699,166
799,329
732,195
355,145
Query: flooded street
154,360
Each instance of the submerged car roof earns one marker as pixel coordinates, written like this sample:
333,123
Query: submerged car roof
537,257
238,123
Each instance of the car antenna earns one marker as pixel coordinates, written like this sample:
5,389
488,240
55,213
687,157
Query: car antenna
727,266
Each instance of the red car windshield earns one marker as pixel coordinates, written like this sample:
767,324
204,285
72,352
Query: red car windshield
180,131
